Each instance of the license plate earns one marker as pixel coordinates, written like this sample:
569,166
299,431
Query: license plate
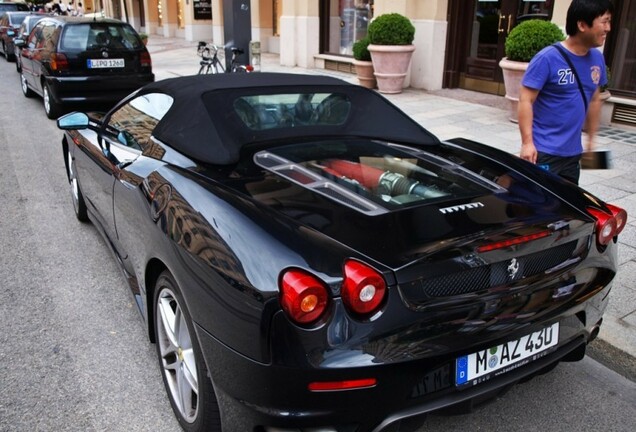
105,63
483,365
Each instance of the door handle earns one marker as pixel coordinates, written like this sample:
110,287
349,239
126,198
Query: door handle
499,29
509,23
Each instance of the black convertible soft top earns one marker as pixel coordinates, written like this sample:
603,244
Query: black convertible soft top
203,123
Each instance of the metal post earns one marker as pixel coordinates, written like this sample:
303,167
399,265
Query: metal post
237,29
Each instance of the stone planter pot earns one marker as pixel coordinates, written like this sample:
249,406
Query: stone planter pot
364,71
512,74
391,64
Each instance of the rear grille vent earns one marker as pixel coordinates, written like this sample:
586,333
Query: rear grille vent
625,114
487,276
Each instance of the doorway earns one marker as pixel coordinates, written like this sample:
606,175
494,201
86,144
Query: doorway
477,36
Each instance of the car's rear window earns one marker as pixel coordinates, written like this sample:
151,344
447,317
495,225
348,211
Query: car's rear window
16,19
98,35
13,7
273,111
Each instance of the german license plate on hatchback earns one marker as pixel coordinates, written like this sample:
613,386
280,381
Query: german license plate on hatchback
105,63
480,366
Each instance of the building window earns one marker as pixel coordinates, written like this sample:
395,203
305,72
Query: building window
348,23
623,68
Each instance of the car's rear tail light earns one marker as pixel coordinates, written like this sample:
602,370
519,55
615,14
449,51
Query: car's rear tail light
620,215
342,385
59,62
608,225
303,296
249,68
363,288
513,241
145,60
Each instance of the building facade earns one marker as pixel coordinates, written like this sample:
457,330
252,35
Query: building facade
458,42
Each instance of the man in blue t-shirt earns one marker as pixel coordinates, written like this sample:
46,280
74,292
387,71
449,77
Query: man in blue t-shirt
552,111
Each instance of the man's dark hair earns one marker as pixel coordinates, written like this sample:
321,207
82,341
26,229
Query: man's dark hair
586,11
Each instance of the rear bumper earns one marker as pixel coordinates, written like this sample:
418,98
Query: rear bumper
255,396
96,89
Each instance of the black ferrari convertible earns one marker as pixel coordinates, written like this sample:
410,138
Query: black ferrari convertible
309,258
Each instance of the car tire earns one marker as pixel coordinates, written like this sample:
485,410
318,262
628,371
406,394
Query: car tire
26,91
9,57
79,205
183,369
51,108
4,51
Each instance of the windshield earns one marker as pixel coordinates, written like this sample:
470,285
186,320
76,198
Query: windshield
99,35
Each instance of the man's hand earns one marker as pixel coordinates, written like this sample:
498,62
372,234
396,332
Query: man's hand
529,152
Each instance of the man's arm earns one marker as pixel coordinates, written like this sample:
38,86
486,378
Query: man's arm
527,96
593,119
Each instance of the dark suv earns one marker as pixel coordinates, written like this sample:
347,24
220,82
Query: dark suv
69,60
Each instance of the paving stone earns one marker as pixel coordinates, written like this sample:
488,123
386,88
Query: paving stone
625,253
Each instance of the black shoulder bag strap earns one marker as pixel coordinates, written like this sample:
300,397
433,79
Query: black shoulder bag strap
576,75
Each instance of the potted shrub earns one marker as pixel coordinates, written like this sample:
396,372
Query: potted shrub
363,64
391,47
523,42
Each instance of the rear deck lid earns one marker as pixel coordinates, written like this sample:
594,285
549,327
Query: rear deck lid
402,206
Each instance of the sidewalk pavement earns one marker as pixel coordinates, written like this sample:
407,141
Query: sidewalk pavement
448,114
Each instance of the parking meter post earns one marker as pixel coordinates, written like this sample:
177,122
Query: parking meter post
237,26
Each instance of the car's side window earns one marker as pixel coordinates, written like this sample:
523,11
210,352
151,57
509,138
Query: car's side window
34,38
49,36
132,124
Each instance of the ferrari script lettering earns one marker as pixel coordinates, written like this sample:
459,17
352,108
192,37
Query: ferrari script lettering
461,207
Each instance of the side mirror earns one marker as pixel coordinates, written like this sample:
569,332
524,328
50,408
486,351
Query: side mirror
109,155
127,139
19,42
74,120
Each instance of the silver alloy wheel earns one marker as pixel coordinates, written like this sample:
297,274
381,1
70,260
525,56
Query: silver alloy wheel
47,99
177,356
72,179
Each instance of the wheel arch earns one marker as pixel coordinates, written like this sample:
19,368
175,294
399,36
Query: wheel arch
153,270
65,150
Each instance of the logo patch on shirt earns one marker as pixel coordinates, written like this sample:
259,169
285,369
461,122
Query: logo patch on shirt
596,74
